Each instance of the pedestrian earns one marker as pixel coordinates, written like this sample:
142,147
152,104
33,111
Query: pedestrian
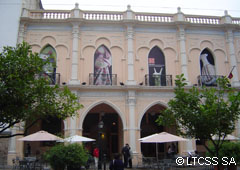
96,156
130,157
28,150
169,152
126,154
116,163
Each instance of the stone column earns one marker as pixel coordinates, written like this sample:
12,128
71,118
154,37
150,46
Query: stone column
75,43
179,19
233,60
130,52
12,146
75,35
132,127
182,46
21,33
73,122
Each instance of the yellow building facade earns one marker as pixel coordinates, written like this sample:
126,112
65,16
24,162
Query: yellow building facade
122,66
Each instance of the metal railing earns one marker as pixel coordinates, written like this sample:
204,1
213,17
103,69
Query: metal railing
53,78
208,80
102,79
158,80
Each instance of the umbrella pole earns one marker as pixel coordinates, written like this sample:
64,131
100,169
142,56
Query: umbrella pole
157,151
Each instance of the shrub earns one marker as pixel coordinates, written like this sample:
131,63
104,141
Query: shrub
55,157
229,150
75,156
72,155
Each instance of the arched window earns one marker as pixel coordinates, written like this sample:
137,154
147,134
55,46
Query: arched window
207,68
156,67
49,53
102,66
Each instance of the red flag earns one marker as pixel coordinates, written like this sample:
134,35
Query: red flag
230,75
151,60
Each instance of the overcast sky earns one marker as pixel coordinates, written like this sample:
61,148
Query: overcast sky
199,7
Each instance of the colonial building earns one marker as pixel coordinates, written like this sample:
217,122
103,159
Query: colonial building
122,66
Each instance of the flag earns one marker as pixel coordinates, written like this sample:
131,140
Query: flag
151,60
230,75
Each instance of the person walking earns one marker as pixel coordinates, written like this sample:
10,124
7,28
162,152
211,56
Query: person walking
116,163
96,156
126,154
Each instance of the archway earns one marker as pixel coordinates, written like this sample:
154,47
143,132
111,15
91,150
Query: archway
148,127
156,67
207,68
102,66
111,136
50,124
49,53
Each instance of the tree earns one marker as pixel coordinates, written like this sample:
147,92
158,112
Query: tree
25,94
203,112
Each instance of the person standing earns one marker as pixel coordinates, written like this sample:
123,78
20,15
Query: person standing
116,163
130,157
126,154
96,156
28,150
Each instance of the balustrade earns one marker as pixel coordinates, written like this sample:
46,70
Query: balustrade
102,79
158,80
203,20
154,17
236,21
208,80
103,16
118,16
50,14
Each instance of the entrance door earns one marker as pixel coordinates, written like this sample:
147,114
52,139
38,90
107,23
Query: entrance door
109,138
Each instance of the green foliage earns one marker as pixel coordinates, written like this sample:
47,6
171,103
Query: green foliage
56,156
228,149
25,94
202,112
72,155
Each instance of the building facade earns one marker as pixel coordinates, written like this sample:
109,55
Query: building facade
122,66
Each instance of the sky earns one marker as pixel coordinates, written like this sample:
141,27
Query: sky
195,7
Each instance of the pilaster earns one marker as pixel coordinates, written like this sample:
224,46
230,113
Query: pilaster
21,33
131,100
233,60
183,55
12,146
73,122
75,38
130,52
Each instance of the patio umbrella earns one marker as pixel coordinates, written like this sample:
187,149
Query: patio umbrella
228,137
162,137
76,138
40,136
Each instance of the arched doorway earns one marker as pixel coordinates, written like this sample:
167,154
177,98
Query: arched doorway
102,66
111,136
50,124
148,127
156,67
49,53
207,68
